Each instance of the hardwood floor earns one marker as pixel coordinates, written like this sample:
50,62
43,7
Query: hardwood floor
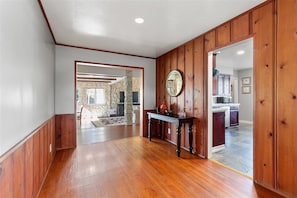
92,134
135,167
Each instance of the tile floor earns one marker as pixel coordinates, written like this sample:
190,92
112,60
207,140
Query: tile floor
238,152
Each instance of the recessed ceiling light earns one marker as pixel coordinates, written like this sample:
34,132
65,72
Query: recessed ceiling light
139,20
240,52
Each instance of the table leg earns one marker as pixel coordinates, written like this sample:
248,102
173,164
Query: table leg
178,139
149,129
160,129
190,137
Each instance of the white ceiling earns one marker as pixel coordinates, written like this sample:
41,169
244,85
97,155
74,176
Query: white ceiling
109,24
227,57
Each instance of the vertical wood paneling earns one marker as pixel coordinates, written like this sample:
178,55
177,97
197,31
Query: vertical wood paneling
6,181
209,44
181,97
286,98
167,96
53,137
25,166
162,80
41,153
240,27
174,100
173,62
28,168
198,95
189,86
158,65
263,21
65,127
209,41
223,35
18,174
36,163
274,129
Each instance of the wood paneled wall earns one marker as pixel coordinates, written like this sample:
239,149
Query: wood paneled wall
274,29
286,98
191,59
65,131
264,69
24,168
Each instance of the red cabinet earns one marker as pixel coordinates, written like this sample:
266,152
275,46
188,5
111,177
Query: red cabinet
234,118
218,128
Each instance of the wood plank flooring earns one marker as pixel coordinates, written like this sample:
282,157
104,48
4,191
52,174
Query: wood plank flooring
135,167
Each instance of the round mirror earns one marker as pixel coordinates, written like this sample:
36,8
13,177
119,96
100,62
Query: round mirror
174,83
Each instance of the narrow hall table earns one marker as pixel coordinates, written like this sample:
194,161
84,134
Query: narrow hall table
178,121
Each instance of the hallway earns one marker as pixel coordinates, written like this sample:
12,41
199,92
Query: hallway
135,167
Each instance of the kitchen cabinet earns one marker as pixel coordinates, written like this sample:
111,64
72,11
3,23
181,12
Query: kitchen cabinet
218,128
234,118
223,85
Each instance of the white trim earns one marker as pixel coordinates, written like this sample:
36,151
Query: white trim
245,122
218,148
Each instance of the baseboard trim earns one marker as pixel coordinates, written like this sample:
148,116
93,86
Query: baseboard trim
245,122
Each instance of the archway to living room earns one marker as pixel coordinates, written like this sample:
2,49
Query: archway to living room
108,101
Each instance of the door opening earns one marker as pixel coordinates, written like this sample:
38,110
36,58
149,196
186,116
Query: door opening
109,102
230,109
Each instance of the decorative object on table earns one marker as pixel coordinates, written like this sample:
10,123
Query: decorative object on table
169,112
181,114
158,109
163,107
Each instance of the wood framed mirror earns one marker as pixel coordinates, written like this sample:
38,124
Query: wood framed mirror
174,83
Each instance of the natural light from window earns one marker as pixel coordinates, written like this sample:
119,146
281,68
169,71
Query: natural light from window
95,96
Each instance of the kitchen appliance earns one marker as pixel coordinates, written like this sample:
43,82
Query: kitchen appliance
224,99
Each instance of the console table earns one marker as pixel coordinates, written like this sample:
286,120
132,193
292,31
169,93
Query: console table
178,121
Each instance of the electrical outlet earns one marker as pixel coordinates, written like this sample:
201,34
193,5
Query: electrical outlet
168,130
50,148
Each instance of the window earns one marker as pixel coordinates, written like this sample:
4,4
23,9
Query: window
95,96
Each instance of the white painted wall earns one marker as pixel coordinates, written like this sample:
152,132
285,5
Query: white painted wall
246,100
64,86
26,71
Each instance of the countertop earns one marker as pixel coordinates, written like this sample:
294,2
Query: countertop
217,105
220,109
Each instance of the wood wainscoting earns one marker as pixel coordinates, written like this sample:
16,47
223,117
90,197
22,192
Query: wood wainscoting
65,131
23,169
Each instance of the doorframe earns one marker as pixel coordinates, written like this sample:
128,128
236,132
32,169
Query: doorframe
209,96
114,66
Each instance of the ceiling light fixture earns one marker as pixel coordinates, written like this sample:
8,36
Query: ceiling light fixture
139,20
240,52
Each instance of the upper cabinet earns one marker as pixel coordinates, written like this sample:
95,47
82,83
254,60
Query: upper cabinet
223,85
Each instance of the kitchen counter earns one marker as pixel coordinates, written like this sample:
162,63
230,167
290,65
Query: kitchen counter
217,105
219,109
230,110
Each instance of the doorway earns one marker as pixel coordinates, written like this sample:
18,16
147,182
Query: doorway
101,111
230,109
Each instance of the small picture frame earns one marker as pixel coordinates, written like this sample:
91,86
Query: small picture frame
246,89
246,80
